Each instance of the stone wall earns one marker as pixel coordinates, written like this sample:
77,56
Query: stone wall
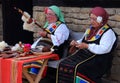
77,20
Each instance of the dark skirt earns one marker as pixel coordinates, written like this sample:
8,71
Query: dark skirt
82,66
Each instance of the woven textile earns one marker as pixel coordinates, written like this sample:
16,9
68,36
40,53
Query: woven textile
11,69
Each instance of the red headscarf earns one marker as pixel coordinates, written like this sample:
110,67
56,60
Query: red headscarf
99,11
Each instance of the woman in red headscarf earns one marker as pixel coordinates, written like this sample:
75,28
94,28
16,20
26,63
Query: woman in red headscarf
93,56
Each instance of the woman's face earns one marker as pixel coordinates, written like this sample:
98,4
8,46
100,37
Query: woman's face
50,16
93,21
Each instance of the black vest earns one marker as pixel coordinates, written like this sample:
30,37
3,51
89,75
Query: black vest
98,40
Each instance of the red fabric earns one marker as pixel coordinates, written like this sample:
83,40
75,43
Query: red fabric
44,72
0,72
5,71
46,10
11,69
99,11
85,77
27,47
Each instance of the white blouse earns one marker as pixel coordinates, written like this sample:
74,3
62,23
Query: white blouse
106,43
60,35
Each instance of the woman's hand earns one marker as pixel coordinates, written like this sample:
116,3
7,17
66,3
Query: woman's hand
43,33
73,43
82,45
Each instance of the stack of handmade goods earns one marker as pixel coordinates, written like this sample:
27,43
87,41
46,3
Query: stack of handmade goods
18,50
14,58
10,67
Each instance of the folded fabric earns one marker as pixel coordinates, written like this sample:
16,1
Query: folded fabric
25,17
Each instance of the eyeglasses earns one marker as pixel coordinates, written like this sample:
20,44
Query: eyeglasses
93,19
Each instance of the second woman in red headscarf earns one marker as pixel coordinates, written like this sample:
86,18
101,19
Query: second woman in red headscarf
93,57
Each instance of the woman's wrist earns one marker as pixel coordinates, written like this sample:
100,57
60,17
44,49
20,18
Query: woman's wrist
48,35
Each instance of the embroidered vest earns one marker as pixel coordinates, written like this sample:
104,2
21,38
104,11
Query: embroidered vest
51,29
98,35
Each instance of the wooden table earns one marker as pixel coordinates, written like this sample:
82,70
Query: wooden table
11,69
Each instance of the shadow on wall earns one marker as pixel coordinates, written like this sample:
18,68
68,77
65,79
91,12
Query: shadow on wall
78,3
13,30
